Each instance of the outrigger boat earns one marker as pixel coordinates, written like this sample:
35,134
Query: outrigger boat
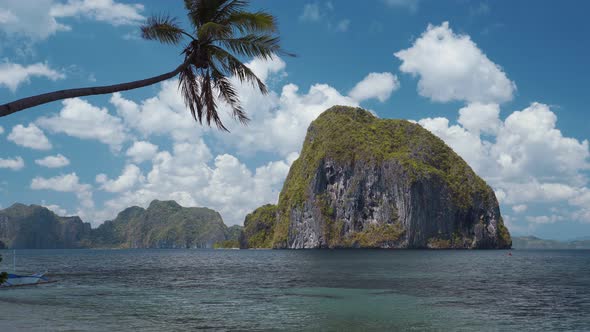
15,280
20,280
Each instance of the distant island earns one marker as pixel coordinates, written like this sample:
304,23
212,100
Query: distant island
532,242
164,224
365,182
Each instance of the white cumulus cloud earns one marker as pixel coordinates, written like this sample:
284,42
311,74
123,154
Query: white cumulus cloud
30,19
39,19
142,151
12,75
162,115
80,119
451,67
30,137
480,118
14,164
66,183
375,85
108,11
56,161
128,179
263,68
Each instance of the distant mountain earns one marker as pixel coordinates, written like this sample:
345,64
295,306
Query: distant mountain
233,232
34,226
532,242
232,241
164,224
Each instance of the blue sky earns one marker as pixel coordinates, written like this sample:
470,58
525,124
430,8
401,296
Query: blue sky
503,83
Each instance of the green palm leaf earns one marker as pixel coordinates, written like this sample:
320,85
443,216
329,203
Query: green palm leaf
264,46
212,30
228,93
162,28
256,22
233,65
189,88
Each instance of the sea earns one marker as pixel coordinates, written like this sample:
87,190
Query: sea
300,290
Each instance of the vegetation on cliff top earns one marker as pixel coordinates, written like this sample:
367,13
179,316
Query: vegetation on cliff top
350,134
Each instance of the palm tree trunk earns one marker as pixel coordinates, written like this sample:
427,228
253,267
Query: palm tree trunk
21,104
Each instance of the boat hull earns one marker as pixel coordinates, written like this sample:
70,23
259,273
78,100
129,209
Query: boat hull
20,280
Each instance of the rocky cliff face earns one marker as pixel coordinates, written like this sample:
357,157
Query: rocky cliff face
34,226
361,181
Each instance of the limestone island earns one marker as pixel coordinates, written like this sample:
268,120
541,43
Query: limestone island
365,182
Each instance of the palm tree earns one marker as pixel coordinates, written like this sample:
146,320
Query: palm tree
222,31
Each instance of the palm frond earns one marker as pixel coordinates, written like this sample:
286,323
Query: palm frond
230,7
189,85
224,30
203,11
252,45
199,11
191,7
190,4
233,65
209,101
212,30
257,22
228,93
162,28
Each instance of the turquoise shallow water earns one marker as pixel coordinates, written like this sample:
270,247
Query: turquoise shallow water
170,290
